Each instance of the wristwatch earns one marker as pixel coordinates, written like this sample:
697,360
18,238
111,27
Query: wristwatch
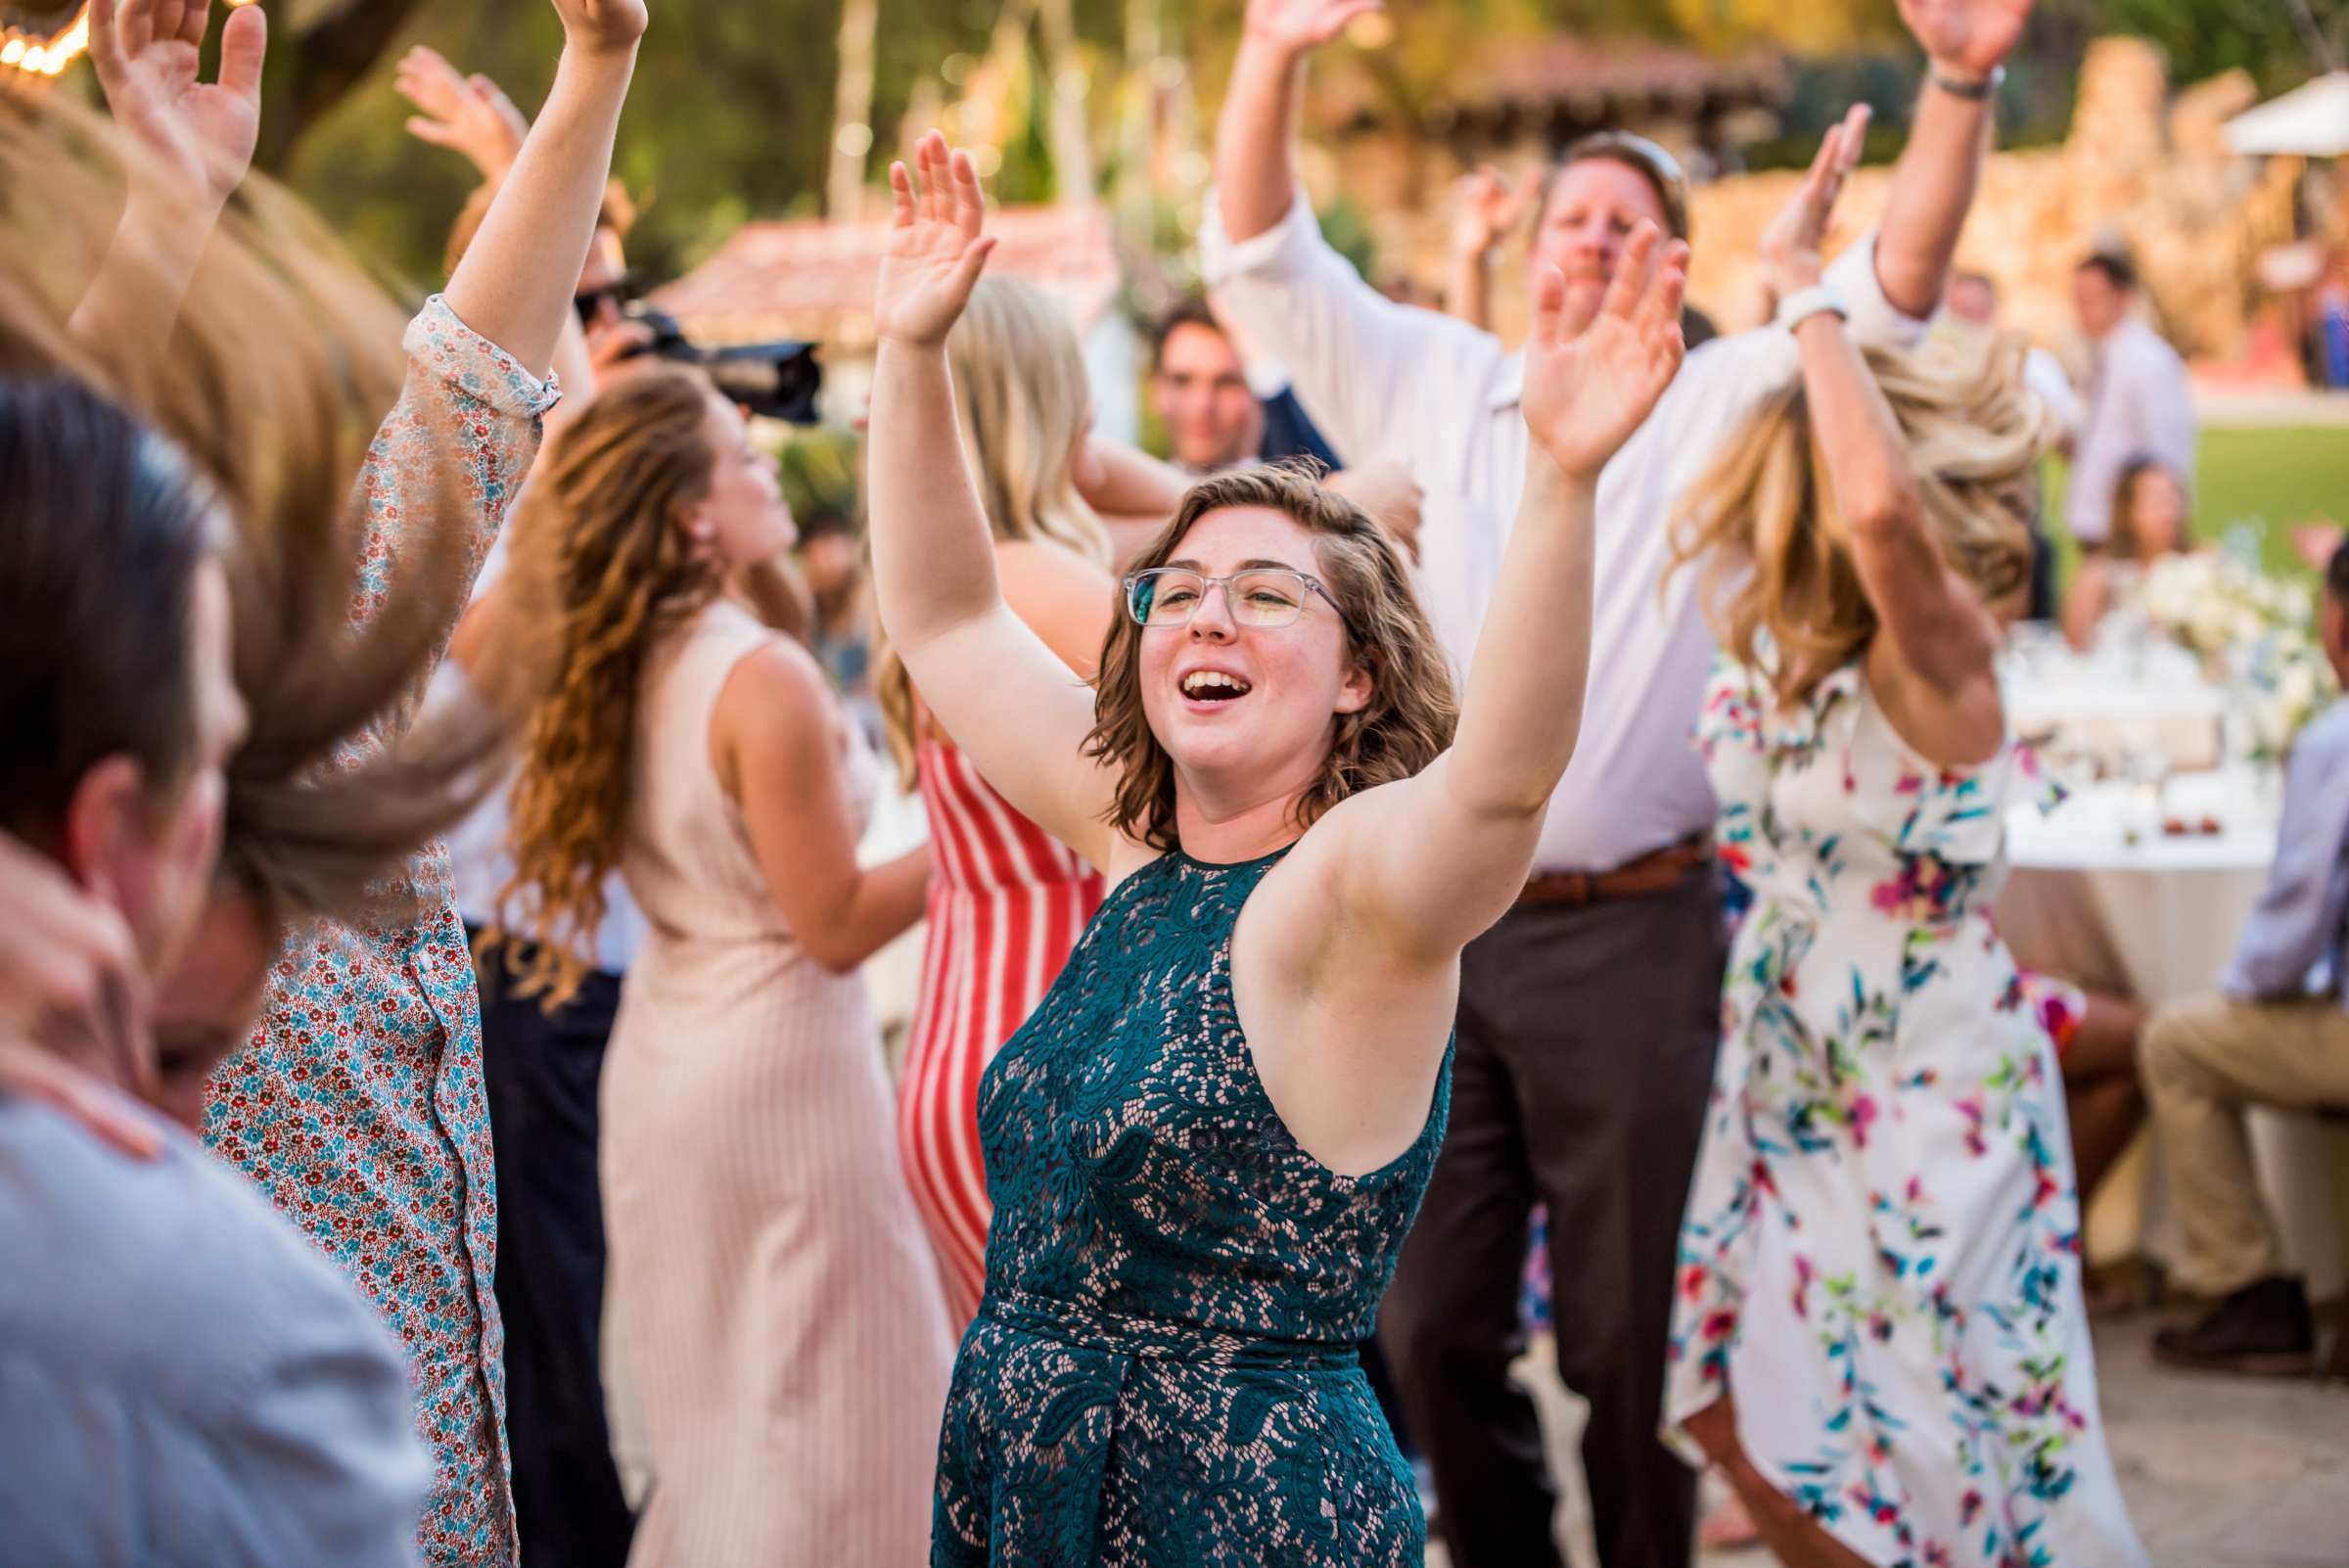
1804,303
1960,87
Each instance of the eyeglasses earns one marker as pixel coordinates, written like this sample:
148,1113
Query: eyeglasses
1169,596
590,301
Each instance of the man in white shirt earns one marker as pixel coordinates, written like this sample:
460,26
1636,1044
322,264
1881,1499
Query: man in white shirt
1590,1015
2139,401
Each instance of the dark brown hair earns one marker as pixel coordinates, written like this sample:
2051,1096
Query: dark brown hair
1411,713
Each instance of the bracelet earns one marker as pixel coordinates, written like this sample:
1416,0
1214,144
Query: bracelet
1973,91
1804,303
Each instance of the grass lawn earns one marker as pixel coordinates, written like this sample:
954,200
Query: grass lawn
2270,478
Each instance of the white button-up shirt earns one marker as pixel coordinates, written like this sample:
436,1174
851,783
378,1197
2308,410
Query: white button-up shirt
2138,404
1386,381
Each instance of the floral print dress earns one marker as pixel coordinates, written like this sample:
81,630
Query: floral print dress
358,1106
1881,1256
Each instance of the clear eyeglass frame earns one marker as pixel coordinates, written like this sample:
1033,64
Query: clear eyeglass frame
1265,597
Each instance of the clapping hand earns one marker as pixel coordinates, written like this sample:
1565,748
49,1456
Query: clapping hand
936,250
468,114
603,26
1585,394
1485,207
1790,245
201,134
1299,27
1973,37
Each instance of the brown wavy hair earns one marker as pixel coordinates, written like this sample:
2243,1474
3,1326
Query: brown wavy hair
283,362
1779,587
1411,713
602,570
1020,400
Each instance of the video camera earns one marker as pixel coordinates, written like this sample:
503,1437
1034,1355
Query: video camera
772,380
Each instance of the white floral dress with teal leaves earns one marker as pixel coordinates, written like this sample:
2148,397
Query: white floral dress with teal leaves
1881,1256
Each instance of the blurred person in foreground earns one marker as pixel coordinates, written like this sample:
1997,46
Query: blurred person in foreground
205,816
2276,1034
357,1103
1589,1014
2139,402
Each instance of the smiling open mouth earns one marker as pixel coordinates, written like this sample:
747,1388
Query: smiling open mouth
1214,686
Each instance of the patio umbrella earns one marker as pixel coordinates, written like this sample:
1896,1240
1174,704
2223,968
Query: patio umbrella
2309,122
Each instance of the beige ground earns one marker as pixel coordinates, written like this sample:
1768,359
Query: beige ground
2220,1472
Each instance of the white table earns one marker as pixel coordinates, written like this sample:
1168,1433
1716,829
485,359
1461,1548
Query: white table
2156,918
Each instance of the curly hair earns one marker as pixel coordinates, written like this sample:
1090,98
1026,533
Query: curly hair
1778,582
602,570
1022,400
1413,711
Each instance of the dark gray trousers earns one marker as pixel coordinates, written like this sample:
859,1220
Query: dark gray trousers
1587,1039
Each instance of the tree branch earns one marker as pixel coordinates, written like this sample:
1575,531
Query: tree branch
318,66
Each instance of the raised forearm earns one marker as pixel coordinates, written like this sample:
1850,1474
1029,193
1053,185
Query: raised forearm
934,560
1116,479
134,297
515,285
1469,296
1254,135
1523,707
1932,192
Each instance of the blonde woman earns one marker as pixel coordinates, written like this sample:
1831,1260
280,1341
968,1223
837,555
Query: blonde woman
777,1305
1880,1334
1208,1143
1008,901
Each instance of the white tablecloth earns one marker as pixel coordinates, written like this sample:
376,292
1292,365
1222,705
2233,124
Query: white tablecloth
2102,895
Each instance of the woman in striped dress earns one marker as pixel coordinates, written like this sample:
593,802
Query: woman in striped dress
1008,902
771,1289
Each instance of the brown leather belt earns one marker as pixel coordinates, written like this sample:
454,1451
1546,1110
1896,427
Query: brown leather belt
1659,871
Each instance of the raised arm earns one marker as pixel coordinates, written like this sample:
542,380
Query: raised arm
1939,626
990,681
515,285
1134,493
1434,860
1377,377
1966,43
1484,209
193,143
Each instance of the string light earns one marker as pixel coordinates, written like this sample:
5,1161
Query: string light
45,52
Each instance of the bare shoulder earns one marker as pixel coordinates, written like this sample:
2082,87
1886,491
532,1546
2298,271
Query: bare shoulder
775,699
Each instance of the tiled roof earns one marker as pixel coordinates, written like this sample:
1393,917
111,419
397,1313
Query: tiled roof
814,280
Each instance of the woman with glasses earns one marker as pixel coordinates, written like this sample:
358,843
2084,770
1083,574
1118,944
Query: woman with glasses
1207,1144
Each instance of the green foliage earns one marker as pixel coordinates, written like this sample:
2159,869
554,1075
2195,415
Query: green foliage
2205,37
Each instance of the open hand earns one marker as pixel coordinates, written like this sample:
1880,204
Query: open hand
936,250
199,134
1300,25
468,114
71,981
1973,37
1790,245
1584,395
1485,207
603,26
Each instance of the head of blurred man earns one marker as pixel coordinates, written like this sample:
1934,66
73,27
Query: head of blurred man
2102,289
1602,188
1199,388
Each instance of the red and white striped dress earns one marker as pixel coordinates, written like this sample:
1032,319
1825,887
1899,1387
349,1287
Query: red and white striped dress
1007,904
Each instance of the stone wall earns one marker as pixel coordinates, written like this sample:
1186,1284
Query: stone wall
2141,170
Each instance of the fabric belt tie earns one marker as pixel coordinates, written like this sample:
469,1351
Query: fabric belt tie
1658,871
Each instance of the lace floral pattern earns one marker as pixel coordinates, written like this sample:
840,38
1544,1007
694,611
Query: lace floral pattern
358,1106
1162,1370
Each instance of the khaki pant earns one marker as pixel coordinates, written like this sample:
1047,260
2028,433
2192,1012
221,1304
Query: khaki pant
2205,1060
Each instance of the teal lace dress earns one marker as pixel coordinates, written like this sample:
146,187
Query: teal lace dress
1163,1370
